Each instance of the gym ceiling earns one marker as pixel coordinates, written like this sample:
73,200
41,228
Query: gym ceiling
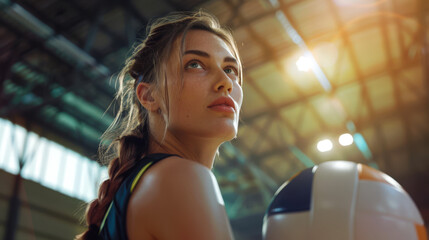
367,76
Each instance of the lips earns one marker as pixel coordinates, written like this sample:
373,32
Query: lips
223,104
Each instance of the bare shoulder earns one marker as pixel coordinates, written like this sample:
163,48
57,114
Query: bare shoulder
177,166
178,199
176,171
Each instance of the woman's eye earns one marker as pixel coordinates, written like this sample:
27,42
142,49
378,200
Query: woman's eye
194,65
231,70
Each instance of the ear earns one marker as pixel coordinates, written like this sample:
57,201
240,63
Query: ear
146,97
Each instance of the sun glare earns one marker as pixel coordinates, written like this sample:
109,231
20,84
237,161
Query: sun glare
303,64
345,139
324,145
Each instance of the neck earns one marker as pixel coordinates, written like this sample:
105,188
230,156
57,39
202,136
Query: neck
199,149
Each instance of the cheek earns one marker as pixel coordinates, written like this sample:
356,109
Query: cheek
237,95
188,98
195,89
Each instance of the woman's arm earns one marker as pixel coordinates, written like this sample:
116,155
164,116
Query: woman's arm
178,199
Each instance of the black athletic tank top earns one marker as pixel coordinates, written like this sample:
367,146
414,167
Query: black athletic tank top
113,226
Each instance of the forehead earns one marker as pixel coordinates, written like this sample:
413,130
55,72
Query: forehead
207,42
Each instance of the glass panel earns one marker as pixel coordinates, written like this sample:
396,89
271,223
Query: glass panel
10,162
50,177
33,157
49,163
69,179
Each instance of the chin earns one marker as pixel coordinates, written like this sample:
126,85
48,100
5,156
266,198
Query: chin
226,133
223,132
230,137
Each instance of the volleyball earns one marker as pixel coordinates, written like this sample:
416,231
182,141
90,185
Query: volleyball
341,200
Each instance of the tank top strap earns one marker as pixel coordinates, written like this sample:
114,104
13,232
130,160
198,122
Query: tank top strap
113,225
143,165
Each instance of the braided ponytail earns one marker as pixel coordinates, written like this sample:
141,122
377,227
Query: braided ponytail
129,134
132,147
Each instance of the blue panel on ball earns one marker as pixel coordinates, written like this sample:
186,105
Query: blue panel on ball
295,196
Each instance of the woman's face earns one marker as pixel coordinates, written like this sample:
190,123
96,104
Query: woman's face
208,103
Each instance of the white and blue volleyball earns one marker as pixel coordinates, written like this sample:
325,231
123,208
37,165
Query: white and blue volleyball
341,200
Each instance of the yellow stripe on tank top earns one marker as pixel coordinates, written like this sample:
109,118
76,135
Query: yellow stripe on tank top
105,217
136,179
133,185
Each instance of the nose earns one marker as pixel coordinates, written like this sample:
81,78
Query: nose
223,83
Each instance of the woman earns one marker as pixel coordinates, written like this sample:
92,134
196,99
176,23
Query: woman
181,102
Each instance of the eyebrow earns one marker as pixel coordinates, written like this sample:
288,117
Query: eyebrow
206,55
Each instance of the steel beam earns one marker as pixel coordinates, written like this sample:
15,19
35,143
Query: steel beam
95,26
360,77
56,102
270,53
394,80
77,82
15,199
278,107
7,58
408,109
128,22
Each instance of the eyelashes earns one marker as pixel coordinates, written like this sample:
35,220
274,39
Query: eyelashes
197,64
194,62
234,69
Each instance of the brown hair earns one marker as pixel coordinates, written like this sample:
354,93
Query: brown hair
127,139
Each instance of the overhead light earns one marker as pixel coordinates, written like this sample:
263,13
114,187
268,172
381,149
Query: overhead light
324,145
345,139
303,64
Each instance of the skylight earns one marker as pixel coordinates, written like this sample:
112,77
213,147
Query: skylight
49,163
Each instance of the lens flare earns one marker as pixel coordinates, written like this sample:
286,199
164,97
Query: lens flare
345,139
303,64
324,145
